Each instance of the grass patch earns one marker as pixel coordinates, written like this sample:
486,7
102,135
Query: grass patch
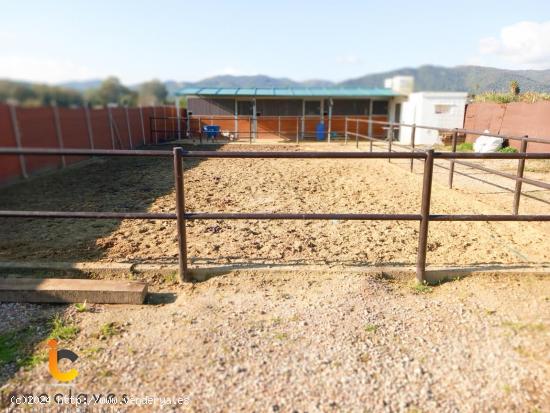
422,288
371,328
17,346
109,330
507,149
281,336
81,307
62,330
171,278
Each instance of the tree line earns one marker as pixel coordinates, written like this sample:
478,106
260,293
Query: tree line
110,92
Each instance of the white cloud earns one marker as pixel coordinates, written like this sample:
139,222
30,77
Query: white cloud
43,70
524,44
349,59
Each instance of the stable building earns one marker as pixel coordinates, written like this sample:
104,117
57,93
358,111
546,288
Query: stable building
290,113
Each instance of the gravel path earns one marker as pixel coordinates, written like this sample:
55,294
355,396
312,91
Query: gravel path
326,341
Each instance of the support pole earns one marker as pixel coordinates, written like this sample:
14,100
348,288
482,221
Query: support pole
357,133
297,129
390,138
346,129
89,126
413,137
178,117
250,129
129,128
329,128
425,216
180,215
521,168
279,127
142,124
452,165
154,126
58,132
17,134
110,116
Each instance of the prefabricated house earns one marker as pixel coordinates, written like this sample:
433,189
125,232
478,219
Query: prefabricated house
289,113
438,109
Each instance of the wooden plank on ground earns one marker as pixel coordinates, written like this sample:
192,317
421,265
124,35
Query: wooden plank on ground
59,290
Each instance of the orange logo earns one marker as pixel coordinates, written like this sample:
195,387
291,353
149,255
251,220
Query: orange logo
55,356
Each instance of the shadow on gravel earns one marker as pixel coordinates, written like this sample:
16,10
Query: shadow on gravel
24,331
117,184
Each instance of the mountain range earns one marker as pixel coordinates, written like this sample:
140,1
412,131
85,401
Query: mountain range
473,79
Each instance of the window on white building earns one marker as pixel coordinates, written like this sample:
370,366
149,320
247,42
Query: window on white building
441,109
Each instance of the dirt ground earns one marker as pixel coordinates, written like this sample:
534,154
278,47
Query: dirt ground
264,185
333,339
311,342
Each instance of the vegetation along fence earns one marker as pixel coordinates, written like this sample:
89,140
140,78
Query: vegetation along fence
181,216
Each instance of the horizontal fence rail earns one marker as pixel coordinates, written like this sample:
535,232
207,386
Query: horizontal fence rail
181,216
518,178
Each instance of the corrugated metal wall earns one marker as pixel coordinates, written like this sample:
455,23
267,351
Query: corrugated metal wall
38,129
514,119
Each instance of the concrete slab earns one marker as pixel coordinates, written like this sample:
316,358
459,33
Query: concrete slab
63,290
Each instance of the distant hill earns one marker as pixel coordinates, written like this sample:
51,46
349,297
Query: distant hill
473,79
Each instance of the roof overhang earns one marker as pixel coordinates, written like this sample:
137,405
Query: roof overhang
321,92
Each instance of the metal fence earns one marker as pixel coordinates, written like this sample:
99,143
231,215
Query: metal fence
181,216
390,127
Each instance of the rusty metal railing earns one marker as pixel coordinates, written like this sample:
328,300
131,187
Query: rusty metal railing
518,177
181,216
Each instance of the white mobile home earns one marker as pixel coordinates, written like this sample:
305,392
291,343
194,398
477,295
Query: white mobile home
439,109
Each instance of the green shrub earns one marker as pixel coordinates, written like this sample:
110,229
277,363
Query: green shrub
465,147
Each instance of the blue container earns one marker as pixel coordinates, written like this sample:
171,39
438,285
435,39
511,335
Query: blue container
211,131
320,131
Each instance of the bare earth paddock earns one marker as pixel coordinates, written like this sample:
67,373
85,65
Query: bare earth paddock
332,334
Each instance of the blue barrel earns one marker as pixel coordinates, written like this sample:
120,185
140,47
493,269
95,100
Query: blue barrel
211,131
320,131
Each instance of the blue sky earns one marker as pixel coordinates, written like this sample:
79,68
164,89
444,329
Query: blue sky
54,41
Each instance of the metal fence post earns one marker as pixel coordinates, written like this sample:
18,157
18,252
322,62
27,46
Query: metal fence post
521,168
390,138
58,132
346,129
129,128
250,129
142,124
180,214
89,126
425,216
297,129
110,116
357,133
452,164
279,127
413,137
17,134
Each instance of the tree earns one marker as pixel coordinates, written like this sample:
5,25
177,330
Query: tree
514,87
152,93
112,91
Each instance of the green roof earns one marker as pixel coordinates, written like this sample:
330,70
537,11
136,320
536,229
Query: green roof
286,92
